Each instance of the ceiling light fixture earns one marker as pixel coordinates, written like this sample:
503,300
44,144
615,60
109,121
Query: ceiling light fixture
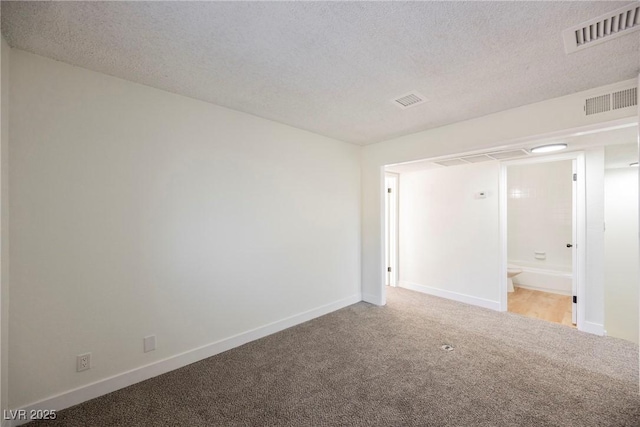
634,164
548,148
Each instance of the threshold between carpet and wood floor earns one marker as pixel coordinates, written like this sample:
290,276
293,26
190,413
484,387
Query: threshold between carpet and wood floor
368,365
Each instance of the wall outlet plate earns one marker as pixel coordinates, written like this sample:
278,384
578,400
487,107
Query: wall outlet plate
83,362
149,343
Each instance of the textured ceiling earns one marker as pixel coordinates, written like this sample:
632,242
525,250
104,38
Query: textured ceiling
333,67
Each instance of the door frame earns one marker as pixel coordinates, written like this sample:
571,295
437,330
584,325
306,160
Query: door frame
392,259
579,226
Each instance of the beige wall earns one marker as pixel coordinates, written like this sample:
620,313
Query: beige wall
136,212
622,272
442,225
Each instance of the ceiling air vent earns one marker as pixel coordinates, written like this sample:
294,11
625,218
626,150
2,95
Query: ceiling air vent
477,159
452,162
611,101
603,28
410,99
482,157
597,104
503,155
625,98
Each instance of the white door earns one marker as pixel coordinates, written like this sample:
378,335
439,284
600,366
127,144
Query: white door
391,229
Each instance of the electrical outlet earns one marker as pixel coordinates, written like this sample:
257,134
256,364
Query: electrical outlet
83,362
149,343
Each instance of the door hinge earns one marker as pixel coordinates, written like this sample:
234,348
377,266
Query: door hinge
388,190
389,269
575,176
575,299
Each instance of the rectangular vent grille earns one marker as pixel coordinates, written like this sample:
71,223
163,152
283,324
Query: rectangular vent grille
452,162
410,99
625,98
611,101
597,104
477,159
483,157
503,155
603,28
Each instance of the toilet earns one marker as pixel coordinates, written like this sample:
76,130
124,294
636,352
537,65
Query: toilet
512,271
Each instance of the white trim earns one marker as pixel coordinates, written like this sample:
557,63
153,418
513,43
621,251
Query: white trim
581,240
392,257
373,299
574,250
502,218
467,299
99,388
593,328
382,300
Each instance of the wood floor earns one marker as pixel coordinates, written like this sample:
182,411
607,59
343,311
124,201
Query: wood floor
542,305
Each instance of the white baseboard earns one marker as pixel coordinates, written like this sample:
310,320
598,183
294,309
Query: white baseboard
467,299
125,379
593,328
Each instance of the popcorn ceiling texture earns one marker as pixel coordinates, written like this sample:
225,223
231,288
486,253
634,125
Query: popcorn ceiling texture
333,68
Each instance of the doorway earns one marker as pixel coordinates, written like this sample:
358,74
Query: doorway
541,218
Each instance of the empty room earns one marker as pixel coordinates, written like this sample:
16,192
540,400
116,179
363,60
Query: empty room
319,213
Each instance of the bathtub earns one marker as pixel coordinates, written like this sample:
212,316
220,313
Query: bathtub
547,278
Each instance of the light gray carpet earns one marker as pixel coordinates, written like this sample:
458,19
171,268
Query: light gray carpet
367,365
